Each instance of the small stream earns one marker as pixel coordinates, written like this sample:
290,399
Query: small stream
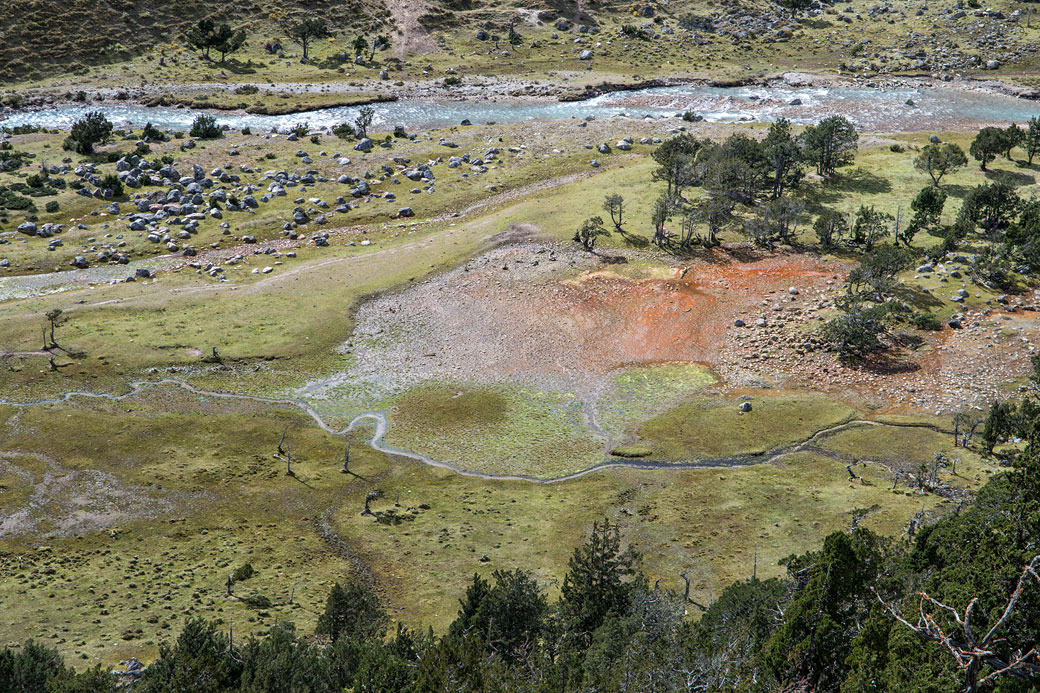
875,109
381,424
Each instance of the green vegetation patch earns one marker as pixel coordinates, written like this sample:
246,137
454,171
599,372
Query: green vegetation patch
704,429
436,406
497,430
636,394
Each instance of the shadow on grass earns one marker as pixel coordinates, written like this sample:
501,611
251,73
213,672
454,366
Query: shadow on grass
1017,179
958,191
235,67
856,182
861,182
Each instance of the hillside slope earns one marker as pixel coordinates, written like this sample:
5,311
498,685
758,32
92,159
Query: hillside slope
48,36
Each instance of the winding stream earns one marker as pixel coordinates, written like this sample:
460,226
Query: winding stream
875,109
382,424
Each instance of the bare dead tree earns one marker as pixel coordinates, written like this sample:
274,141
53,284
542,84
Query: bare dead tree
284,432
965,424
970,652
55,317
686,593
914,524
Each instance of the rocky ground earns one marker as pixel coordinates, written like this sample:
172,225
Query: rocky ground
958,368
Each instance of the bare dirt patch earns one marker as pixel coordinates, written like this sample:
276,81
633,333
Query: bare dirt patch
412,37
65,501
559,319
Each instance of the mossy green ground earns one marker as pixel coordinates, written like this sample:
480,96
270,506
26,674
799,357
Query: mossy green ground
710,429
213,497
497,430
638,393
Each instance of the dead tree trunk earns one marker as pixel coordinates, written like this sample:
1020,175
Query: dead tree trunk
970,652
280,442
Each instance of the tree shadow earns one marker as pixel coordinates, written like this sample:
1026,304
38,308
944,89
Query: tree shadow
921,300
1016,179
331,62
235,67
633,240
861,182
958,191
884,362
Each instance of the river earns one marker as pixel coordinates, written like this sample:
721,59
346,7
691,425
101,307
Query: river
872,109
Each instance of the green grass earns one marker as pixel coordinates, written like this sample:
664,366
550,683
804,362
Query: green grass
708,429
498,430
638,393
191,489
713,523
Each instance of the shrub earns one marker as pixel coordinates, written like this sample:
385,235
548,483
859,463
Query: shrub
345,131
257,601
856,330
452,81
896,148
51,207
153,133
81,96
243,572
205,127
93,128
112,182
315,139
247,131
635,32
14,202
247,89
34,181
926,321
300,129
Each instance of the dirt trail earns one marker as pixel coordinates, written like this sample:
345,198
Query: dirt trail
412,37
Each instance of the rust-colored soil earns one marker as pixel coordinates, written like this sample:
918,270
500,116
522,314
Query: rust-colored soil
563,319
